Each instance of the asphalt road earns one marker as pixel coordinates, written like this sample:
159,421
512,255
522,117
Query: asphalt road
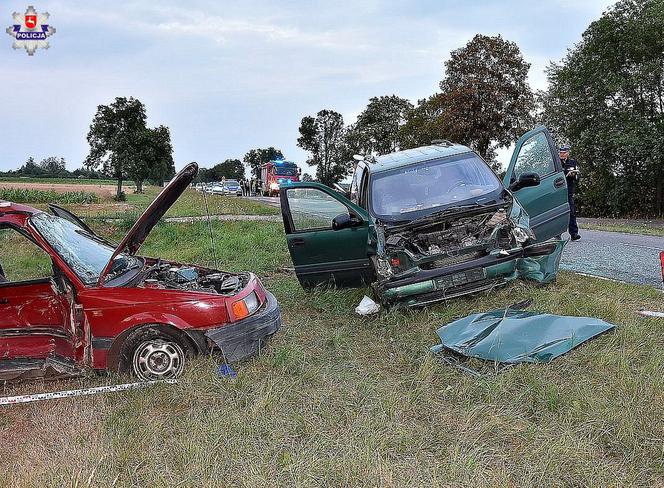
632,258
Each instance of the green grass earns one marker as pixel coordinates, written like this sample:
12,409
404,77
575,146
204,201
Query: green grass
627,229
190,204
55,181
340,400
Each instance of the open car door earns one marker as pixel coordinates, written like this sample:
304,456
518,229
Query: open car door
546,203
327,236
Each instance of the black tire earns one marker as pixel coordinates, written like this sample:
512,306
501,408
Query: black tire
153,354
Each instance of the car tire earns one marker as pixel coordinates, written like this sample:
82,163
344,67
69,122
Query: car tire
152,354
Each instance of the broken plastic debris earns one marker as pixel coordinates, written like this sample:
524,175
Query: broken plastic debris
514,336
226,371
367,306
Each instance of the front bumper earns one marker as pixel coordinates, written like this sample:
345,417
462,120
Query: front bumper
425,287
246,337
537,262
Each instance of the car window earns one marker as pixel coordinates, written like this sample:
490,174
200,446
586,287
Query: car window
534,157
21,259
312,208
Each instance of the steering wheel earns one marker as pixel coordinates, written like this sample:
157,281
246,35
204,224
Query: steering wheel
456,185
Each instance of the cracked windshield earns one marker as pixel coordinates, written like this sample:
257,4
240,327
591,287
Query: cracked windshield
85,254
436,184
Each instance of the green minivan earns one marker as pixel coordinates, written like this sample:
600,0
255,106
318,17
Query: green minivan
432,223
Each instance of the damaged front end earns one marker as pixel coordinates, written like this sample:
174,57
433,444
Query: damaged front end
173,276
454,252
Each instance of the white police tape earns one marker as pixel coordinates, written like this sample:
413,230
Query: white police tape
13,400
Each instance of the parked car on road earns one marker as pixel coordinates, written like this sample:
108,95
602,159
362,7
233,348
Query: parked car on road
105,307
432,223
227,187
232,187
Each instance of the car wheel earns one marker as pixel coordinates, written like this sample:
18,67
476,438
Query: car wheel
150,354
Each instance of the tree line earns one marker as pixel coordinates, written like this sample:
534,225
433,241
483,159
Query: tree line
605,98
51,167
484,102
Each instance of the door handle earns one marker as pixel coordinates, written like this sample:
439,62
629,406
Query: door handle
4,301
559,182
298,242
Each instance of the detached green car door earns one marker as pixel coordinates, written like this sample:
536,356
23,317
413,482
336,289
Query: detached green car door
322,254
545,203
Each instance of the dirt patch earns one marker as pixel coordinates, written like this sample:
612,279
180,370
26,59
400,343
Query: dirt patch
104,191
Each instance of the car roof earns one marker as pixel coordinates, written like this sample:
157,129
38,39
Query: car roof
416,155
8,207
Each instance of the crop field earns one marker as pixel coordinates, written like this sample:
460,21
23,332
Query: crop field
340,400
55,181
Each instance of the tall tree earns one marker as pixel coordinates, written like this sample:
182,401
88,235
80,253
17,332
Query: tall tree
606,97
115,136
423,123
53,165
324,136
377,126
231,169
30,168
155,160
485,98
257,157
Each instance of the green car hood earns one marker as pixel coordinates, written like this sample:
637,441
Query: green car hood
515,336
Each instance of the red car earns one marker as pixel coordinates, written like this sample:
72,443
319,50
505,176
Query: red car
104,307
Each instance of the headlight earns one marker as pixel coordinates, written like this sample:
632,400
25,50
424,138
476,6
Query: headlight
520,235
274,186
246,306
383,268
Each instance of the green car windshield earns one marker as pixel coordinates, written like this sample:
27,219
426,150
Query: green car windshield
413,191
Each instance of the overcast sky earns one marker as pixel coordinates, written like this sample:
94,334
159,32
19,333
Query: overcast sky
230,76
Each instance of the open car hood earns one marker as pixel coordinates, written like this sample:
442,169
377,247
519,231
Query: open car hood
133,240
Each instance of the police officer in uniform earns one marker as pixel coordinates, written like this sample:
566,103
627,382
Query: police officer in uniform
572,174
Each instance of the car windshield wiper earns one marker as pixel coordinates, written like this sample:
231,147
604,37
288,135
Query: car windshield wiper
442,213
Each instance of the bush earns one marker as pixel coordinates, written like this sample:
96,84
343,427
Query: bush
122,197
24,195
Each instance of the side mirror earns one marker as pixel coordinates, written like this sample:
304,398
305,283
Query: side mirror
344,221
525,180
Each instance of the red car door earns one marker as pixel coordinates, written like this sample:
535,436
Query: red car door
35,320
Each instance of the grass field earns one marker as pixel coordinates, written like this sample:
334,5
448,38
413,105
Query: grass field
648,230
190,204
340,400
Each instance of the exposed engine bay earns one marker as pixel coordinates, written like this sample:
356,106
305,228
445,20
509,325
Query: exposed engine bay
189,278
450,238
